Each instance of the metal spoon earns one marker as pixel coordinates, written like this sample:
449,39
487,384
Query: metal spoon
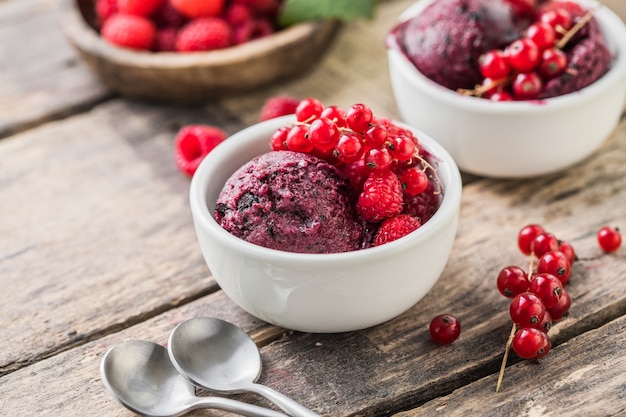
140,375
219,356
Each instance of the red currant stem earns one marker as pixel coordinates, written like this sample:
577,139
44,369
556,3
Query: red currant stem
426,165
507,349
479,90
578,26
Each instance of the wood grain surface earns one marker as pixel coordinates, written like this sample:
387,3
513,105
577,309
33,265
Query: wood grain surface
97,246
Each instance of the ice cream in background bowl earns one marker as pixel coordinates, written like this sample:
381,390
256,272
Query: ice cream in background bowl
572,117
316,292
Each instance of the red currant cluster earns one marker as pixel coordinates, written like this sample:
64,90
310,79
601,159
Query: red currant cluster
520,70
387,168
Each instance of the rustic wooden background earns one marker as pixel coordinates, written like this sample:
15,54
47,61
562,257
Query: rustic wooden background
97,246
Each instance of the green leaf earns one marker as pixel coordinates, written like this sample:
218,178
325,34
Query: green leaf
295,11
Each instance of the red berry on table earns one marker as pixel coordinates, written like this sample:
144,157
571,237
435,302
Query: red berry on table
359,117
194,9
381,197
444,329
193,143
553,62
394,228
129,31
557,312
526,309
349,148
526,235
204,34
543,243
512,281
309,109
609,239
547,288
527,85
555,263
298,140
494,64
414,181
323,134
530,343
278,106
143,8
523,55
542,34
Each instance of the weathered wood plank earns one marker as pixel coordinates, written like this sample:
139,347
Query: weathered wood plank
583,377
41,77
96,231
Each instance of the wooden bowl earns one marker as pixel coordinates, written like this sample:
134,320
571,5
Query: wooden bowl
187,78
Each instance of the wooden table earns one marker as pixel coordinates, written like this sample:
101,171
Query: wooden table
97,246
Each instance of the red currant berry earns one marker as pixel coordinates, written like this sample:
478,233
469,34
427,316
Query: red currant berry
494,65
609,239
323,134
531,343
555,263
401,148
359,117
553,62
444,329
336,114
349,148
512,280
526,309
527,86
376,136
526,235
543,243
378,159
545,324
559,18
547,287
542,34
560,310
522,7
568,250
500,96
414,181
279,139
297,139
523,55
309,109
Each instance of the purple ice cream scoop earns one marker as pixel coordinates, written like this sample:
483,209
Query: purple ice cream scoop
290,201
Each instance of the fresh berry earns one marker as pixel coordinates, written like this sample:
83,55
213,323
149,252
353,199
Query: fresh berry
543,243
378,159
553,62
522,7
203,34
567,249
105,9
129,31
309,109
381,197
609,239
237,13
323,134
526,309
542,34
414,181
298,139
167,16
144,8
359,117
194,9
501,96
395,227
444,329
512,281
278,141
278,106
349,148
559,18
527,85
555,263
526,236
494,64
401,148
523,55
165,40
336,114
547,288
560,310
263,7
193,143
530,343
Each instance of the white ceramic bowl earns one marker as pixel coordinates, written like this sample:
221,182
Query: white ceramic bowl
515,139
321,293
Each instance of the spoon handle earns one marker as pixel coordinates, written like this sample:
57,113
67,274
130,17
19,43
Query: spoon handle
234,406
287,404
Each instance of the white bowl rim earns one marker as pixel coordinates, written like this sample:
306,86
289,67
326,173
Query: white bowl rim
610,25
447,210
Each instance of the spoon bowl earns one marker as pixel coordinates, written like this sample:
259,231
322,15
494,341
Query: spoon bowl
140,375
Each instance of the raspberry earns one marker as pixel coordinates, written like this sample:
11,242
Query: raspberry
395,227
261,28
165,40
237,14
168,17
203,34
105,9
129,31
278,106
263,7
194,9
193,143
143,8
424,205
381,197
